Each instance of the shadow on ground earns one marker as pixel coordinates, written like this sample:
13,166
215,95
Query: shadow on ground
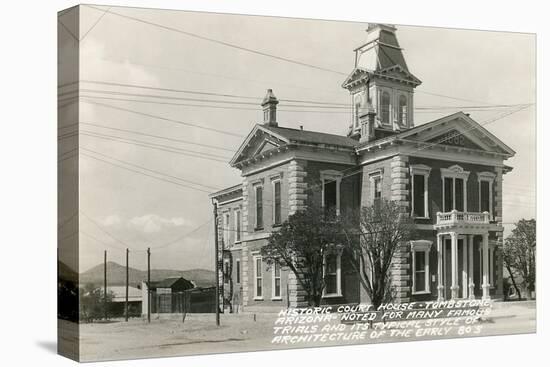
48,345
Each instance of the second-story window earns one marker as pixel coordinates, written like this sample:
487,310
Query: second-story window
385,108
454,188
419,186
375,179
485,180
259,206
237,225
277,202
226,228
330,191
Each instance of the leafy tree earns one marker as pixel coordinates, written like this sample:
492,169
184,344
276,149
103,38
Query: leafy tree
519,253
372,236
301,244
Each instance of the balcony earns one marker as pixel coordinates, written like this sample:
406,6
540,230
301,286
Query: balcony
462,219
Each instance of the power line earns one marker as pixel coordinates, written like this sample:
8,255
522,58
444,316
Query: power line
93,26
100,241
156,147
172,242
194,35
256,109
148,87
103,230
166,119
157,136
143,173
316,104
208,105
223,43
68,30
119,93
148,169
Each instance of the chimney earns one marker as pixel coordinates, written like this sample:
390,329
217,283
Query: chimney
367,123
269,104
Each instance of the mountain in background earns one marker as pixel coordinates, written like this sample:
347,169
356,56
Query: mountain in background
116,275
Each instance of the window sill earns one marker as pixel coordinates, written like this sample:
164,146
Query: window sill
423,218
276,225
420,293
332,295
258,298
258,229
276,298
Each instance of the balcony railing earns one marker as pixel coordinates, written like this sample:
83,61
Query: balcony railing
456,217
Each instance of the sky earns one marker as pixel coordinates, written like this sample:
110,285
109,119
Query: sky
121,208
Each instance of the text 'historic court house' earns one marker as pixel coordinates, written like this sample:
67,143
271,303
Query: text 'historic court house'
447,173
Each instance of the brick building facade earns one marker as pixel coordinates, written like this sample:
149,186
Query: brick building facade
446,173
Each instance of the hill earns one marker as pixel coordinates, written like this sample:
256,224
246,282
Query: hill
116,275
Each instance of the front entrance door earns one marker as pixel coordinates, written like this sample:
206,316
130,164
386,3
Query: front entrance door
447,267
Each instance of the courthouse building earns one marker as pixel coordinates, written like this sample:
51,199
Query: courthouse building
448,174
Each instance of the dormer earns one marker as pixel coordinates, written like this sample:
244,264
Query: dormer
381,82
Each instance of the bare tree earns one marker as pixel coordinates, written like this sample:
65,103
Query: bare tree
372,236
519,252
301,244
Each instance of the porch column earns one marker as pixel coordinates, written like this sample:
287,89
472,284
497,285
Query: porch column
454,265
486,284
338,180
471,285
440,286
465,267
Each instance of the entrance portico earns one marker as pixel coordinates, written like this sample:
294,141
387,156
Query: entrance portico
456,232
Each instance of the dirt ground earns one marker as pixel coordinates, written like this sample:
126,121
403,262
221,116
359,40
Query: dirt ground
168,336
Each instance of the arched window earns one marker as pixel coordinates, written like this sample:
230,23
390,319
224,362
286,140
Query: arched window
385,108
402,114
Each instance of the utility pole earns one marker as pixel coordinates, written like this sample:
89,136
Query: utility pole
127,281
105,284
216,266
148,284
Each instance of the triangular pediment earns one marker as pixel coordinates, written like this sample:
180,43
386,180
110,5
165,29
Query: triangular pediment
397,72
455,138
260,141
457,130
356,76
